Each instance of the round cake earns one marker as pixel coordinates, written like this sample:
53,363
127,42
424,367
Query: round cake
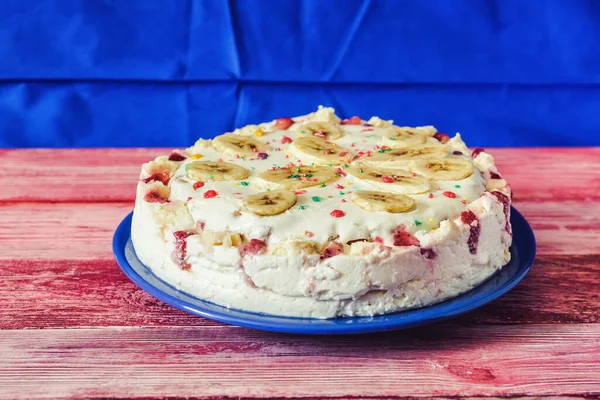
319,217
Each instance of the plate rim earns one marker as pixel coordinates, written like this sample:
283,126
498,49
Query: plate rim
345,325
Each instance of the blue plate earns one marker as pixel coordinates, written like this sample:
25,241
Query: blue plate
522,250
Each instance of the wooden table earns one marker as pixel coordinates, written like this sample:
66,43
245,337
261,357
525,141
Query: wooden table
74,326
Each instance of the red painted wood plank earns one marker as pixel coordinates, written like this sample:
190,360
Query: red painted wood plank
78,175
226,361
84,230
559,289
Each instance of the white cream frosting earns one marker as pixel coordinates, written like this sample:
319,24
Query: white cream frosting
369,278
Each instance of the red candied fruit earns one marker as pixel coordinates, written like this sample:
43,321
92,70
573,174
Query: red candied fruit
198,185
457,153
449,194
441,137
468,217
163,177
286,139
337,213
476,152
209,194
403,238
177,157
352,121
502,198
333,249
379,239
254,246
283,123
154,197
494,175
181,248
428,253
387,179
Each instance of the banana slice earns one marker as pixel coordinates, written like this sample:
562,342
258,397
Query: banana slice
383,201
444,169
270,203
404,136
293,178
239,145
323,130
319,151
403,156
216,171
391,180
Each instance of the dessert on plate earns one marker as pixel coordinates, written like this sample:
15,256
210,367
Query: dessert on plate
315,216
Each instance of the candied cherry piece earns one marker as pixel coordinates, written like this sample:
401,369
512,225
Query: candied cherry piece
283,123
441,137
176,157
352,121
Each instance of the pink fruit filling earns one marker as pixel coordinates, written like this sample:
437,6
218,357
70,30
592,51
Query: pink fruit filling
403,238
428,253
254,246
476,152
468,217
180,252
155,197
502,198
333,249
163,177
177,157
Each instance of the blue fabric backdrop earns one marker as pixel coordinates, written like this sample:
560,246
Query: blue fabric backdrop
163,73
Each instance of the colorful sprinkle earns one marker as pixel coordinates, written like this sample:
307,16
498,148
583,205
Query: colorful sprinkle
300,192
464,201
431,220
379,239
209,194
337,213
323,184
285,140
259,132
309,233
343,153
387,179
338,186
344,200
244,183
342,193
430,195
361,170
316,199
189,198
457,186
196,156
418,223
302,207
198,185
449,194
263,156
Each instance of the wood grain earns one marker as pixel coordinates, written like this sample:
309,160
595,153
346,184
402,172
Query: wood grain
105,175
229,361
96,293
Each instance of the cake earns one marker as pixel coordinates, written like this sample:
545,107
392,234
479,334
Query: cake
319,217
